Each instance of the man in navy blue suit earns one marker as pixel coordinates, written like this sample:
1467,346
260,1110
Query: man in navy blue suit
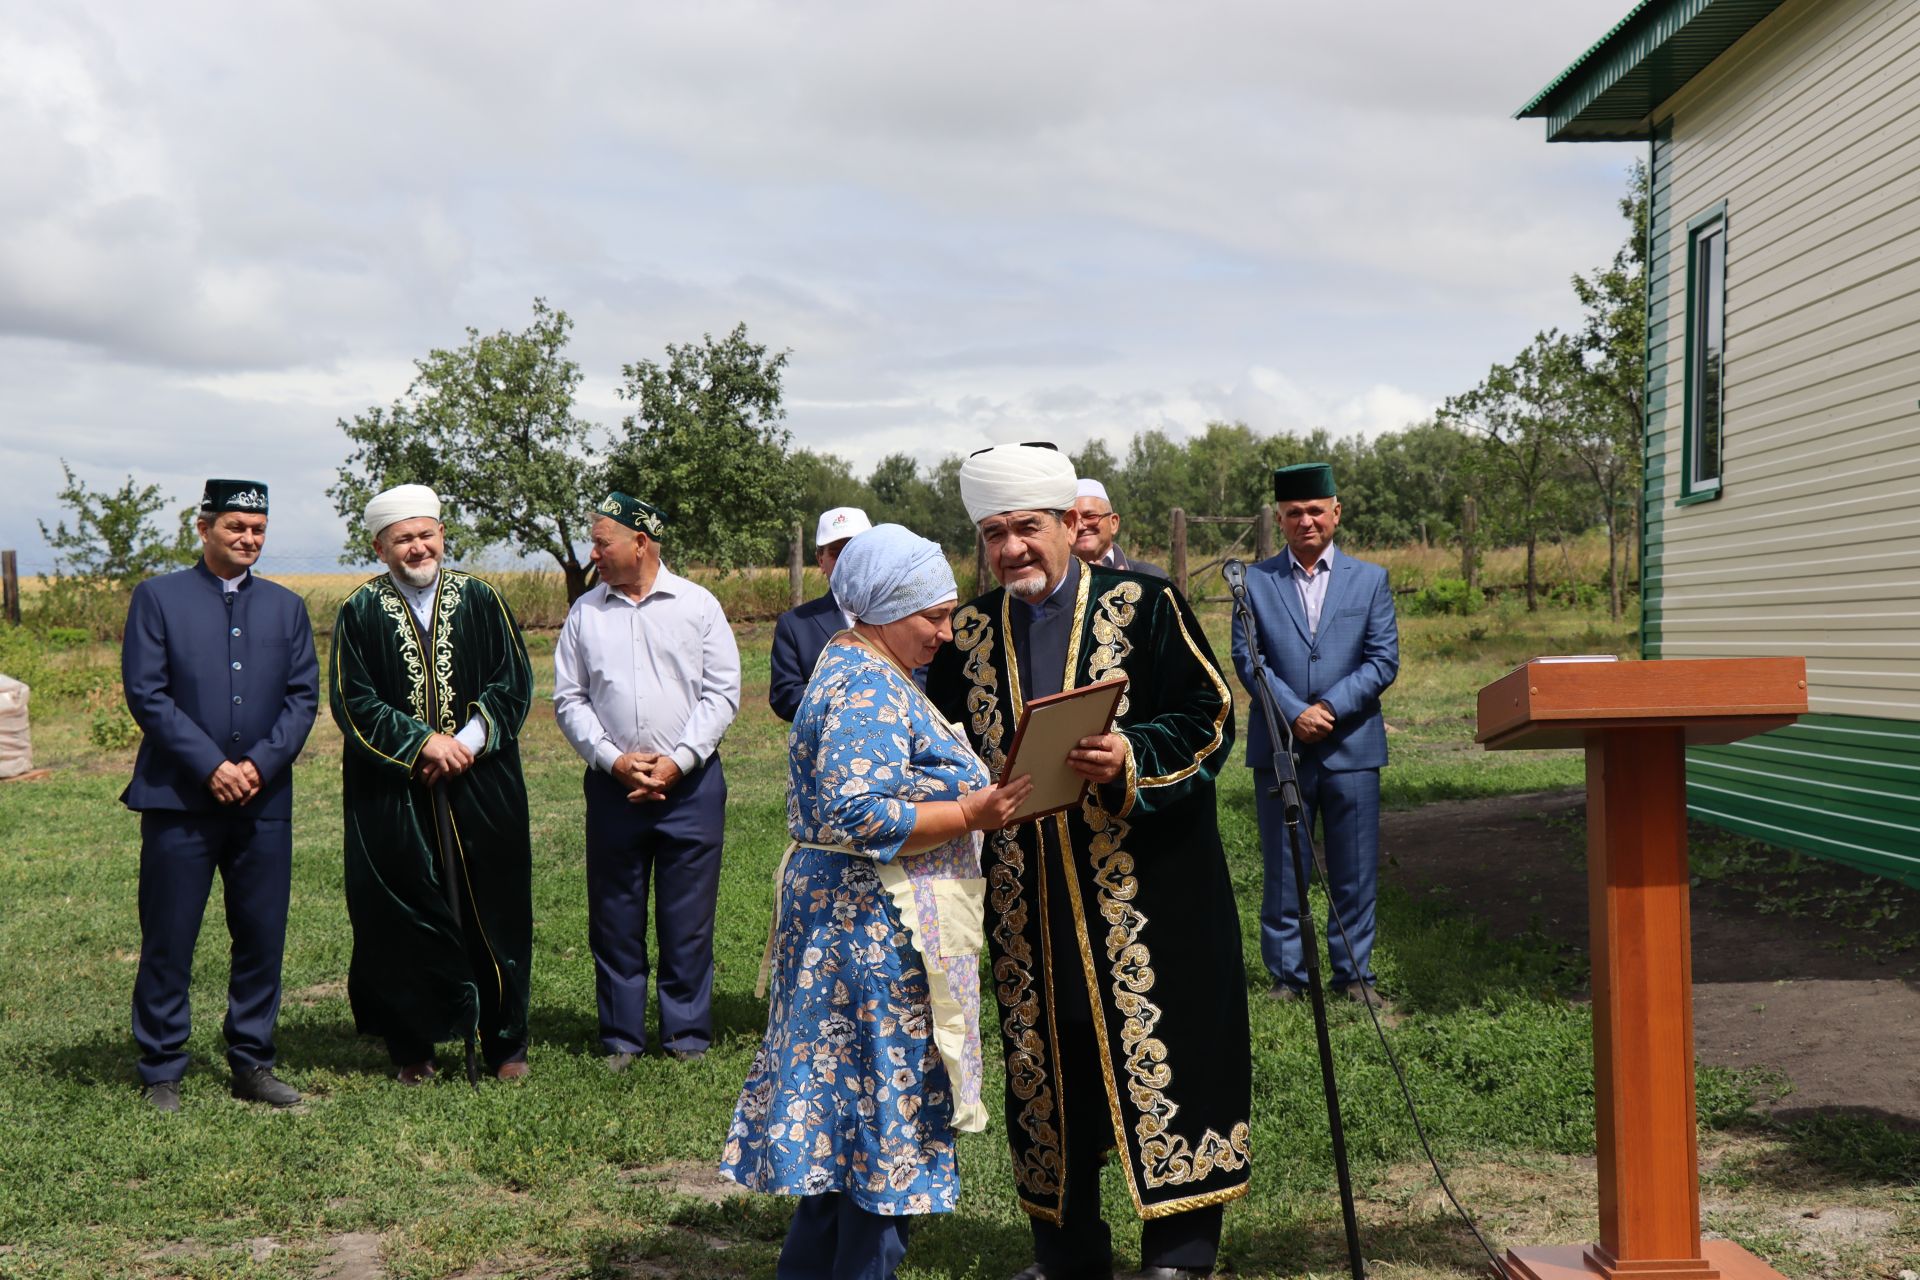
220,675
1326,630
803,631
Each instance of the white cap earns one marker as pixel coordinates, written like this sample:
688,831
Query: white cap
840,522
402,502
1094,489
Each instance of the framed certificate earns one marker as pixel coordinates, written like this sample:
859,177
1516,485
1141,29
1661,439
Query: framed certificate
1049,728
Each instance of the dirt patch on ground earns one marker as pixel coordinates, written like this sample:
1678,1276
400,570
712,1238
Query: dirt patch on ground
692,1179
1790,994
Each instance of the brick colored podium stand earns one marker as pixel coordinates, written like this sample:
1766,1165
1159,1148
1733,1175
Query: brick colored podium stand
1635,720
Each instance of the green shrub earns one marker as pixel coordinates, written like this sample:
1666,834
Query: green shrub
113,729
1446,596
68,672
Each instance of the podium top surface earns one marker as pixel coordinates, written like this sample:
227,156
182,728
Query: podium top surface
1546,704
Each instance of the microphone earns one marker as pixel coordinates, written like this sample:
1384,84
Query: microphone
1235,572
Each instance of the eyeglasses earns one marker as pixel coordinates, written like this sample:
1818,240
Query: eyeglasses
1024,444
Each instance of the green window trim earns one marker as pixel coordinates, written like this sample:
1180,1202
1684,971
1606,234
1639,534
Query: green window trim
1695,488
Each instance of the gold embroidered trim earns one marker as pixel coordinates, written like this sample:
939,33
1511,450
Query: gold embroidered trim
1038,1171
446,600
409,631
1111,645
1206,1200
1219,720
972,637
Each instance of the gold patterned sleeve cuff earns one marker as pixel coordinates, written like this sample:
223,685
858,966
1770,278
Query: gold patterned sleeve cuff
1132,782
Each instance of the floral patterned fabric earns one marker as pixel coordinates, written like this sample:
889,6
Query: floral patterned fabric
850,1091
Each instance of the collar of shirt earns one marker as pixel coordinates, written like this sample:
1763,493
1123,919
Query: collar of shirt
1112,558
1323,565
665,583
231,585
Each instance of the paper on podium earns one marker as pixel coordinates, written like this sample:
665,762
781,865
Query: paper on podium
1049,728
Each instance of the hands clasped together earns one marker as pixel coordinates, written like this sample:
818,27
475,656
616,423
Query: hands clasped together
648,775
234,782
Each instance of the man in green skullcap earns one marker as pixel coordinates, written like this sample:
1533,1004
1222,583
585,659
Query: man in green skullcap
646,679
219,671
1326,631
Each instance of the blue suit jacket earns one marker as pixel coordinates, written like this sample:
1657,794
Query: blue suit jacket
1347,665
798,637
210,679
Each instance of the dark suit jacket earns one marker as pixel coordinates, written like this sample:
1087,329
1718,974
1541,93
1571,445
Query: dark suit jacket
211,678
1347,664
1127,564
798,637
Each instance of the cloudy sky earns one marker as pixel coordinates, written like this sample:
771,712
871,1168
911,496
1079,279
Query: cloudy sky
223,226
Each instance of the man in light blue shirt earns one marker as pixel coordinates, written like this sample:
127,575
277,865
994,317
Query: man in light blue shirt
646,679
1330,647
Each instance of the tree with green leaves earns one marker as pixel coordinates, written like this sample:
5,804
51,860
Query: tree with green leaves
114,540
1520,413
1606,436
705,444
490,427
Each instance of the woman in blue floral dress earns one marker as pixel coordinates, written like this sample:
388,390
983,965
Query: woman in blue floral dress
871,1060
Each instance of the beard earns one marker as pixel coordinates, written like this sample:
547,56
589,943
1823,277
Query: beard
418,576
1031,586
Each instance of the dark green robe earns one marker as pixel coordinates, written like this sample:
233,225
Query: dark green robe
1151,904
415,974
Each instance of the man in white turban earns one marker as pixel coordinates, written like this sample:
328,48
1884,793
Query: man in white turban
1114,937
429,683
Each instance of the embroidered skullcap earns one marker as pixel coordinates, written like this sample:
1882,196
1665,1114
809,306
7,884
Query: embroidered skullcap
889,572
840,522
1303,481
233,495
1017,477
402,502
1094,489
634,514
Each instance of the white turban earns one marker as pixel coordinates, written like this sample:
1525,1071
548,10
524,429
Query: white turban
1093,489
402,502
1016,477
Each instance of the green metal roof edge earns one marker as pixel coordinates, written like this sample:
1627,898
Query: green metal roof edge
1528,112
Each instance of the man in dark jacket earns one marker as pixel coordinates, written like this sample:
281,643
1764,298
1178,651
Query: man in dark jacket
803,631
220,676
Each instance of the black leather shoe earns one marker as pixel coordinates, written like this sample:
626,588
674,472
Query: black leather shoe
259,1084
1168,1273
1284,993
686,1055
1041,1271
163,1095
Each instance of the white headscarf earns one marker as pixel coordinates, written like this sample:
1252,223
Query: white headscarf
889,572
402,502
1017,477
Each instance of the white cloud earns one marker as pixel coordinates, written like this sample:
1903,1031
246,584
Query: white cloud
226,225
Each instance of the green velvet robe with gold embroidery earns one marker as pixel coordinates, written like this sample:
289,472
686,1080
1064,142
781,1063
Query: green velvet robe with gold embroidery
1150,900
415,974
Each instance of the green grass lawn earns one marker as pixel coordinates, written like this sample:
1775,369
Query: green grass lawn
574,1171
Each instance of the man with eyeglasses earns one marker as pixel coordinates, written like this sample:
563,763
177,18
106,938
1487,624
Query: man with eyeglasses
1112,928
1096,539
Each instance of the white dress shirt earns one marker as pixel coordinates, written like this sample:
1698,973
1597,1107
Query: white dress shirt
659,674
473,734
1312,587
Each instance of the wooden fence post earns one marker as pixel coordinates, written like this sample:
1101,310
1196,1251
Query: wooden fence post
982,571
10,586
1179,541
1469,563
797,566
1263,548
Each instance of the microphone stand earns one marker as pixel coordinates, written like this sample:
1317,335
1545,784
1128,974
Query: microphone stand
1287,787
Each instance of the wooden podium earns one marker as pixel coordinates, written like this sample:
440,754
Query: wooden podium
1635,720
